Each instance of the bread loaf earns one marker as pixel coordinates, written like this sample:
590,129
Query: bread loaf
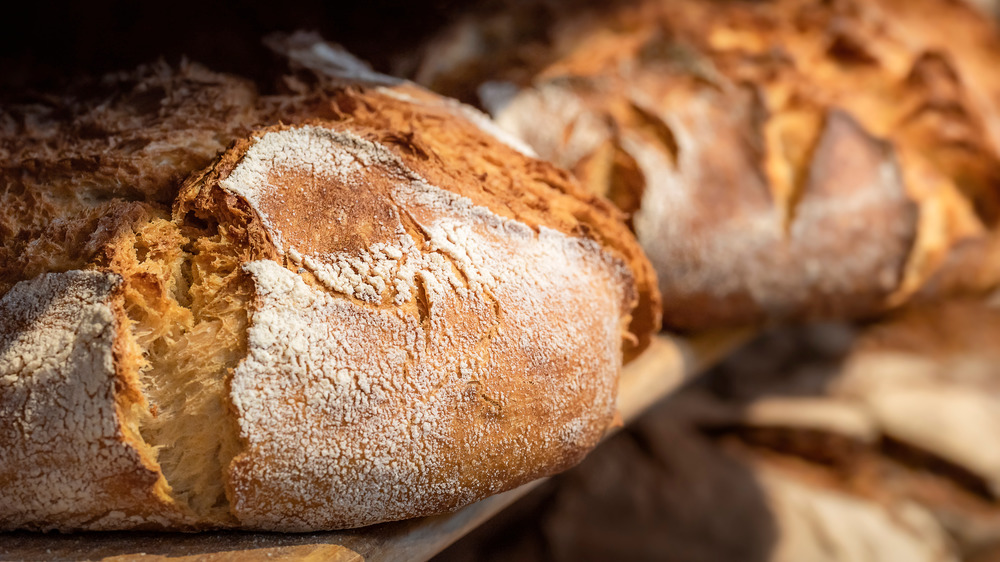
370,306
779,160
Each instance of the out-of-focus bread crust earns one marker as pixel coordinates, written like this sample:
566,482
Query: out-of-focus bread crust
507,332
780,159
78,169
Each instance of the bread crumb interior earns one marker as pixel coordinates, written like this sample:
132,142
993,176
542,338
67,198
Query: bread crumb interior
187,299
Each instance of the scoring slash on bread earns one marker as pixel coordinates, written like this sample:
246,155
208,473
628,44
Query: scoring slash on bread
370,306
781,159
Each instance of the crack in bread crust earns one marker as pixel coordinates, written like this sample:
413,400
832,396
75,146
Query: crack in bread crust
68,457
459,341
186,298
472,287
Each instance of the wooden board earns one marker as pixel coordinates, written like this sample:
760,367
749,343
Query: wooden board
666,365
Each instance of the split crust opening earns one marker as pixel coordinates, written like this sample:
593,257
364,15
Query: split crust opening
187,298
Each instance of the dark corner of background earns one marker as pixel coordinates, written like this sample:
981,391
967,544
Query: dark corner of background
46,44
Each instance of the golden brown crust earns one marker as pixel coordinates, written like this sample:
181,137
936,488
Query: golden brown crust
137,139
489,302
424,131
469,328
79,168
738,135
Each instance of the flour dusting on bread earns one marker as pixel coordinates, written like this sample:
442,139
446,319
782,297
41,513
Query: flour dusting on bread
380,311
376,417
66,459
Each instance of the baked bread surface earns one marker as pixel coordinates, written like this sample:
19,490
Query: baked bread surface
379,309
65,457
467,330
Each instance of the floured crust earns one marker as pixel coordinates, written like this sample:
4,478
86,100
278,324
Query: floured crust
467,329
66,461
779,159
434,313
493,170
74,186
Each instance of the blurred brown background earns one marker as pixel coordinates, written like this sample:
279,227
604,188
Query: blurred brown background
827,442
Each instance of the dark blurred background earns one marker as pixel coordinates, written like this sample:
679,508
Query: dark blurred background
44,44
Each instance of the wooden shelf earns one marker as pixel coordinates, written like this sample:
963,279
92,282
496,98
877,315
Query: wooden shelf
666,365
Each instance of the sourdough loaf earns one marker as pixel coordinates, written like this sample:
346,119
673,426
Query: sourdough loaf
363,304
783,159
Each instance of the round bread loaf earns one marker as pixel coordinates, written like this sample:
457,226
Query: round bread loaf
371,306
779,159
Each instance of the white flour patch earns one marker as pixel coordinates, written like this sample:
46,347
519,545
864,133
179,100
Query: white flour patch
62,455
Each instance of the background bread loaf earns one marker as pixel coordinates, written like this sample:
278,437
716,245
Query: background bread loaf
780,159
